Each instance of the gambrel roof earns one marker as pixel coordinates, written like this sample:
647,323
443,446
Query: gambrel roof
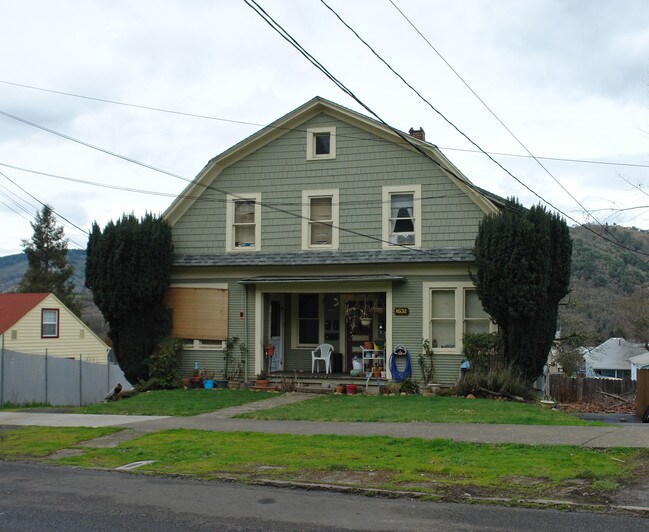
486,201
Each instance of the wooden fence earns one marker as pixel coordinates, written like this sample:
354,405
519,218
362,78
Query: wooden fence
642,397
571,390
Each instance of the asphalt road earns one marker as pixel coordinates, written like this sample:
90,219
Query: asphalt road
38,496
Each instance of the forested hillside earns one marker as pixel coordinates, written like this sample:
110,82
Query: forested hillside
609,272
13,267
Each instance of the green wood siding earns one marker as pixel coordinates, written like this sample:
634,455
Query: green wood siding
364,163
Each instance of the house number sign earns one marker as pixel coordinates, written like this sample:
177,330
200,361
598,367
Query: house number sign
401,311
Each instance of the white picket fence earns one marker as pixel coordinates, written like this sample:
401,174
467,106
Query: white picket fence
27,379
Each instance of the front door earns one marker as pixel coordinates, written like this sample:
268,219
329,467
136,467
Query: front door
277,332
356,333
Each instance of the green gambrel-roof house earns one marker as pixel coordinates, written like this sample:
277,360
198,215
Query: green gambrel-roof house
323,217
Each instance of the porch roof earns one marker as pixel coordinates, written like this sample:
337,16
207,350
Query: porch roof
319,258
272,279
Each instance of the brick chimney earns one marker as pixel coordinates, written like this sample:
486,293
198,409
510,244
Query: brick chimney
418,133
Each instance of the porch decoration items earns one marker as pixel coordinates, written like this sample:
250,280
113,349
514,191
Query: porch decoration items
399,376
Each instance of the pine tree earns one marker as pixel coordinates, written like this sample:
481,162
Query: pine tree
128,268
48,269
523,271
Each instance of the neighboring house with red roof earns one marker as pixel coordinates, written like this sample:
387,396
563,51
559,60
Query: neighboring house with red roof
40,323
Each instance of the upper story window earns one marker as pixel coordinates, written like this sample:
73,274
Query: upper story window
49,323
320,219
320,143
243,214
402,216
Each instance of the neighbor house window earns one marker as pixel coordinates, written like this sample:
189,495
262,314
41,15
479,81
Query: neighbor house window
321,143
306,325
244,229
449,312
402,216
50,323
320,219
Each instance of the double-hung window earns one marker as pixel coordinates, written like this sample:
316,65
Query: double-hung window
243,214
320,219
449,312
402,216
49,323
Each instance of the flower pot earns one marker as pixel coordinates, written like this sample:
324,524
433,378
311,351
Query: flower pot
340,388
261,383
350,389
365,322
197,382
221,383
269,350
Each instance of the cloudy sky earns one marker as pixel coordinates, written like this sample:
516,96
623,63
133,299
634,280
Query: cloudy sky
569,78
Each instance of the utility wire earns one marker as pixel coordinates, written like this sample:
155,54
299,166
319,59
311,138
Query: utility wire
515,137
291,40
374,139
206,187
43,204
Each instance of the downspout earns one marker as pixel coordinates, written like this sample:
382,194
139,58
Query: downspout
245,333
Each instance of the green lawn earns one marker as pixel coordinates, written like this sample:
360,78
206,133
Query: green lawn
436,467
180,402
418,408
34,442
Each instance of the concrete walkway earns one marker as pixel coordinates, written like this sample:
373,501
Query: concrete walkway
636,435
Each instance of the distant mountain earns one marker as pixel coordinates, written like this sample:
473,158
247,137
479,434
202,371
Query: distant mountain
13,267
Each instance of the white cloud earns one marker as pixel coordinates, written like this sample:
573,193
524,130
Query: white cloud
568,78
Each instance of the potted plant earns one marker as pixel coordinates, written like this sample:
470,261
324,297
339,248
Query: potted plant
262,380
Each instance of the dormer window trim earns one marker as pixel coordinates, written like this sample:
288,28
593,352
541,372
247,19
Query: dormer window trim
320,143
237,228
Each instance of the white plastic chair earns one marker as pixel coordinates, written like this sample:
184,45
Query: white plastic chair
325,354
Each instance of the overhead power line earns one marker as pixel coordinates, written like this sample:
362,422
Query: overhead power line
484,104
256,124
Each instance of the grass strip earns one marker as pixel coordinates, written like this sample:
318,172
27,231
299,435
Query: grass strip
419,408
35,442
411,464
179,402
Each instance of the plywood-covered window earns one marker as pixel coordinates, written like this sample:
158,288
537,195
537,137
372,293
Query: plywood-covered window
198,313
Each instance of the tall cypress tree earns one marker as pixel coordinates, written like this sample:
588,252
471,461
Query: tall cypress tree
523,272
48,269
128,267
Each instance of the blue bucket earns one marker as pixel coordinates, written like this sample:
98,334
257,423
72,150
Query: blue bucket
208,383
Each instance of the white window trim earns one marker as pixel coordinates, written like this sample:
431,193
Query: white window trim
310,143
459,289
229,221
307,195
295,322
188,344
415,190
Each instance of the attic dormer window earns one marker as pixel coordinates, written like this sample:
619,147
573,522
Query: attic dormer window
321,143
